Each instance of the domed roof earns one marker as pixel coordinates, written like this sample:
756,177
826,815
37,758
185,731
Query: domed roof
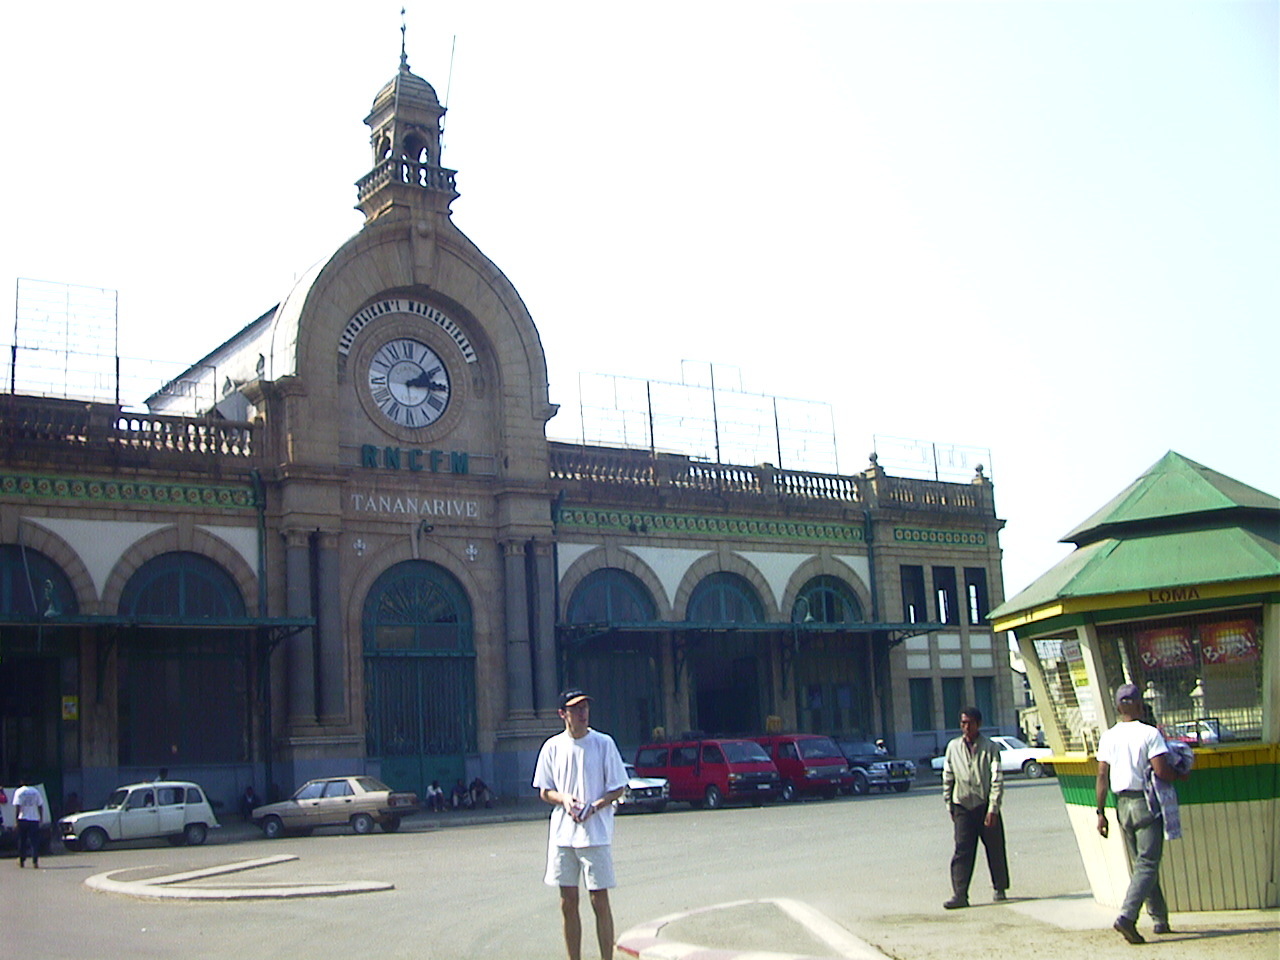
414,91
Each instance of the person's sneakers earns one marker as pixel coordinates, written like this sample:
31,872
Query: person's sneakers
955,903
1162,927
1000,896
1127,929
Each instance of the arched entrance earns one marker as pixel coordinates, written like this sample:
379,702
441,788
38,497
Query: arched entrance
34,656
728,670
183,690
833,669
419,674
619,667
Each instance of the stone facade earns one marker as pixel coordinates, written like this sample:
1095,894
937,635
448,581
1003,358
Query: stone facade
367,555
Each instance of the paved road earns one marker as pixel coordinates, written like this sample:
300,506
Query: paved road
875,865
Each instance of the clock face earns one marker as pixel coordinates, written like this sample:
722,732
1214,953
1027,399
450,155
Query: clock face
408,382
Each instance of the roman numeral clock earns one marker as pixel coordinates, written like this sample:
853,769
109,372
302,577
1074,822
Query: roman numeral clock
409,382
407,361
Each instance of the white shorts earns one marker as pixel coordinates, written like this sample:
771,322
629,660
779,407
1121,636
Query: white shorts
567,865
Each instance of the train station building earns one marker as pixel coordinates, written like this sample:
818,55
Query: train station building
364,553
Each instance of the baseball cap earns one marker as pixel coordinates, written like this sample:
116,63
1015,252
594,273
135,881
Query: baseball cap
1128,691
570,697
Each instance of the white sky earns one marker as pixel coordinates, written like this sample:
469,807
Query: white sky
1047,228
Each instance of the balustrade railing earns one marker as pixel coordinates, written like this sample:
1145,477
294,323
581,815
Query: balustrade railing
424,175
626,468
29,422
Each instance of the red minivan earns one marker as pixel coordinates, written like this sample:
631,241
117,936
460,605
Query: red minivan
808,763
711,772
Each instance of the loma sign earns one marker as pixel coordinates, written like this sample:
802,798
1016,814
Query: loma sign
394,458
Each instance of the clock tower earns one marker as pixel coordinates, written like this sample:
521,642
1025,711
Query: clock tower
405,126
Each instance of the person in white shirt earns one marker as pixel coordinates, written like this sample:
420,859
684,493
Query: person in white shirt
28,807
580,773
1125,752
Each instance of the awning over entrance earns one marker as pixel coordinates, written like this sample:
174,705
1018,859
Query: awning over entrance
577,634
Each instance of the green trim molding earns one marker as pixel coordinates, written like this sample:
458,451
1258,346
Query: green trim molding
949,538
1235,774
676,524
127,491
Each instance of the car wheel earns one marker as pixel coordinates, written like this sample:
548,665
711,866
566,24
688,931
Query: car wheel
273,828
713,798
861,785
788,791
195,834
1033,769
902,787
93,839
362,823
391,825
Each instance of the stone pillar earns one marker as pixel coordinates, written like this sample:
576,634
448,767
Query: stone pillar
519,662
333,658
299,648
544,638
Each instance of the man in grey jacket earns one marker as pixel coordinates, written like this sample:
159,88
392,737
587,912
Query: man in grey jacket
972,785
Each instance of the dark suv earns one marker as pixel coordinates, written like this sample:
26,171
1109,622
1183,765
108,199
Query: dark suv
711,772
870,768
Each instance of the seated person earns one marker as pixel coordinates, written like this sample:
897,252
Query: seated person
435,797
459,796
480,793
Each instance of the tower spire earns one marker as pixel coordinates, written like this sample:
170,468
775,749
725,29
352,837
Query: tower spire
404,57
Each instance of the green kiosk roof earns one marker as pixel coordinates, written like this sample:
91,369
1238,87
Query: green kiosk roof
1178,525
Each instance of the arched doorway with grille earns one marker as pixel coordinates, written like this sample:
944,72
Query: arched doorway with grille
419,675
35,657
728,666
184,692
833,670
613,657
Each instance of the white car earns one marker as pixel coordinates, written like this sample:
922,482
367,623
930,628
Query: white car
173,809
643,793
1015,757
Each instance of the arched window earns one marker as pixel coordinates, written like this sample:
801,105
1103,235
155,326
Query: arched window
32,585
416,606
611,595
184,585
826,599
724,598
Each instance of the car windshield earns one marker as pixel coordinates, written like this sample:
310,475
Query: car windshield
819,748
744,751
1014,743
116,800
858,747
631,771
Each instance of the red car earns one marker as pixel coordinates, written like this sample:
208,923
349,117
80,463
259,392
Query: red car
808,764
711,772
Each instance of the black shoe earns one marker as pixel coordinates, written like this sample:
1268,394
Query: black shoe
1128,930
1162,927
21,864
1000,896
955,903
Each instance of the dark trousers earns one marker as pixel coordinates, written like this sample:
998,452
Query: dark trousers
29,841
969,829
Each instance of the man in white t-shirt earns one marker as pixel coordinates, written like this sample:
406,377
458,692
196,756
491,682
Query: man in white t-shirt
28,807
1125,753
580,773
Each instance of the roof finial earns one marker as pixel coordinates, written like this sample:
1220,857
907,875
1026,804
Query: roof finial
404,58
